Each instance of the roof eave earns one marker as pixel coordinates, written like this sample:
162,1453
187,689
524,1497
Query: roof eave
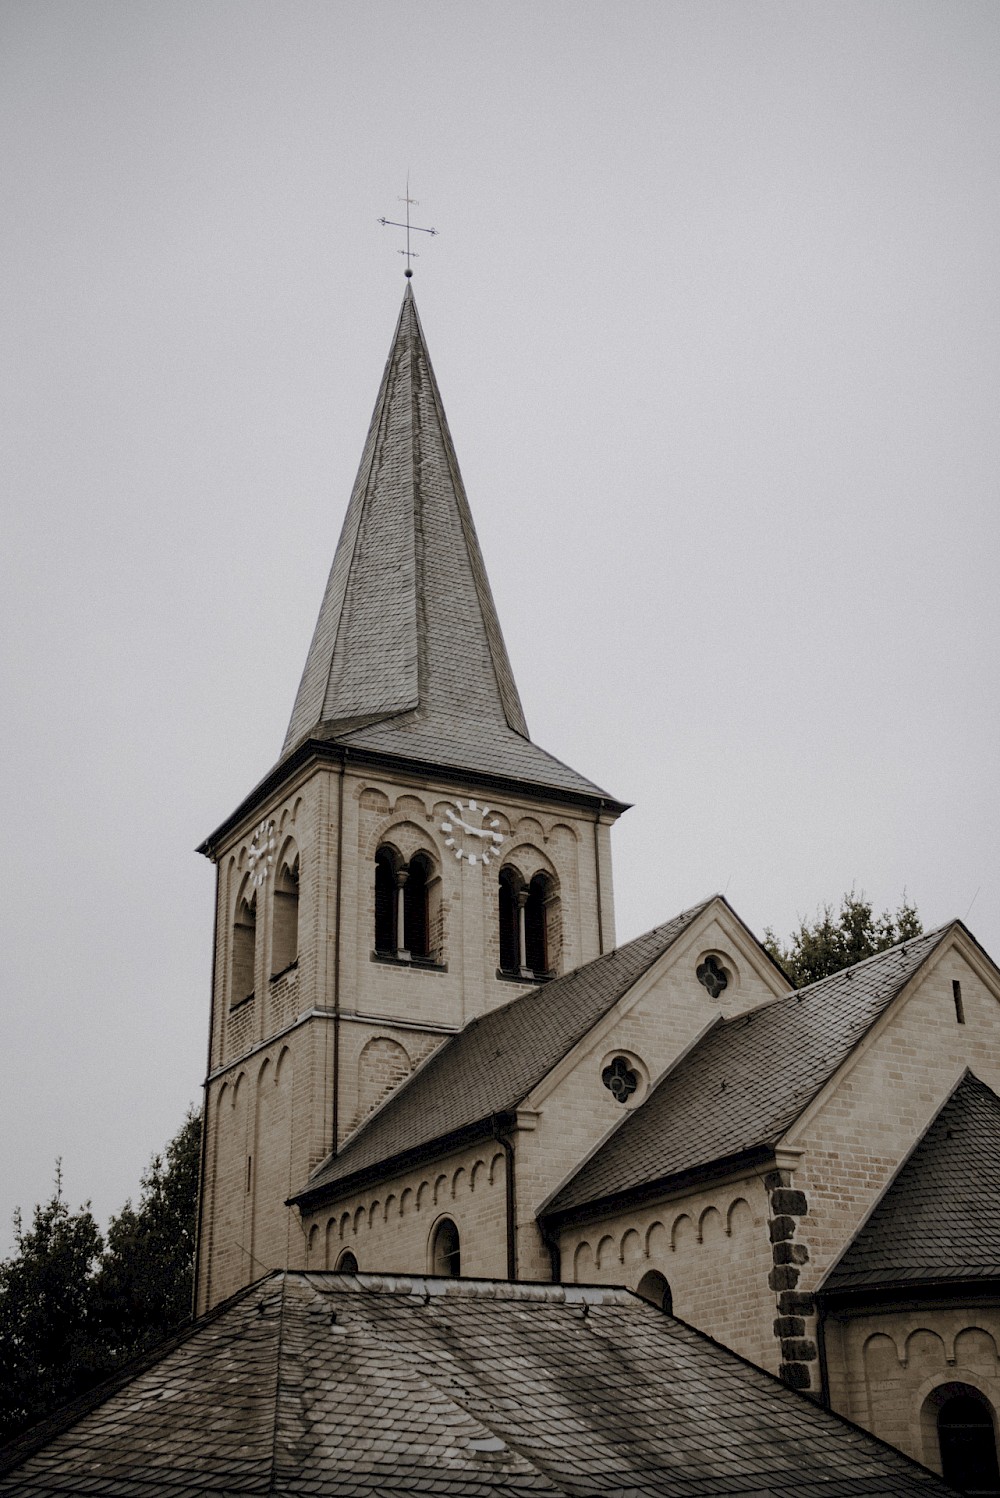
667,1185
334,752
392,1165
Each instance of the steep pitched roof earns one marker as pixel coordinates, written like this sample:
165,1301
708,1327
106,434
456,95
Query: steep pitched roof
407,657
355,1386
748,1079
939,1216
492,1065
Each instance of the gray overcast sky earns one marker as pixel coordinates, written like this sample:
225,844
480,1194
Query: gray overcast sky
714,310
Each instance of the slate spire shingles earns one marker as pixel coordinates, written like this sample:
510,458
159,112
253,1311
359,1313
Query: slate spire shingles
389,1386
407,657
939,1217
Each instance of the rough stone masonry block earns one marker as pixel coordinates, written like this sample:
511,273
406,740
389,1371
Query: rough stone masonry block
796,1303
795,1375
790,1253
798,1350
776,1178
789,1326
783,1277
792,1202
781,1227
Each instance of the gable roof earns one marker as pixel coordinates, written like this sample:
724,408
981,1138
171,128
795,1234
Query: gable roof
939,1216
355,1386
747,1081
407,658
491,1065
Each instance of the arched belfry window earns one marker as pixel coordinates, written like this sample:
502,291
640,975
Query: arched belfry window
968,1441
446,1258
387,862
415,906
285,919
403,925
510,941
524,917
536,945
244,948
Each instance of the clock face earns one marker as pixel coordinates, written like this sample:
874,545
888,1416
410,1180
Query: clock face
261,853
473,832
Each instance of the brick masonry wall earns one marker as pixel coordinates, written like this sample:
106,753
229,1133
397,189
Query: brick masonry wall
262,1143
389,1228
711,1246
856,1136
886,1366
665,1012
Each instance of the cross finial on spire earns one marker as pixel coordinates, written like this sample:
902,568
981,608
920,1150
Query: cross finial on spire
410,228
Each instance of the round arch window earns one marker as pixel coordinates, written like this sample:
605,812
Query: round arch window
347,1263
655,1288
967,1437
446,1257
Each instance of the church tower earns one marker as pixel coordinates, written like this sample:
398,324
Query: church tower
412,859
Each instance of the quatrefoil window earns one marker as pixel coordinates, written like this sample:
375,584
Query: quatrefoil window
712,975
620,1080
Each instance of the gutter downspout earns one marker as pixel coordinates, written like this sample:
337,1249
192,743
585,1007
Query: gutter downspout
506,1144
597,874
555,1252
336,954
203,1152
824,1372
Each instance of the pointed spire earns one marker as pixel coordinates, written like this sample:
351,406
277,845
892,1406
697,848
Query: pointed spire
407,656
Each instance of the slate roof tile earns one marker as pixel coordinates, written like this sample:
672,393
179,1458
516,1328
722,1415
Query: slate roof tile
747,1080
407,657
939,1217
589,1391
496,1060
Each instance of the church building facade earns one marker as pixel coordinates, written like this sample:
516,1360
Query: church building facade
429,1057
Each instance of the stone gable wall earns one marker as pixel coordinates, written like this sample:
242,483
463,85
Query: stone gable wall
881,1104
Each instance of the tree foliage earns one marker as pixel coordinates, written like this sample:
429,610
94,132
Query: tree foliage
46,1312
832,942
74,1306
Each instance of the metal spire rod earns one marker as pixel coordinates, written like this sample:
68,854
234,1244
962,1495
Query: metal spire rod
391,223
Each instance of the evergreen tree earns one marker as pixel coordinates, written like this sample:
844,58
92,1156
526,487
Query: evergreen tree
47,1313
832,942
73,1310
144,1285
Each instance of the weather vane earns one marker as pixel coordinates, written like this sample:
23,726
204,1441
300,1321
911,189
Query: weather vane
391,223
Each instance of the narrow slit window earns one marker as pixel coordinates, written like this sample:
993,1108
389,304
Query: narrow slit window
956,993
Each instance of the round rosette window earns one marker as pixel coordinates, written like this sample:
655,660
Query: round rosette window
620,1080
712,975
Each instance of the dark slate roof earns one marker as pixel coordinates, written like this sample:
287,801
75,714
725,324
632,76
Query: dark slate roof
355,1386
407,657
939,1216
746,1082
492,1065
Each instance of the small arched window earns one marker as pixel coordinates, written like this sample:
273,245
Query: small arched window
654,1287
244,949
347,1263
415,921
510,942
387,863
285,921
524,924
404,927
536,944
967,1436
446,1257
